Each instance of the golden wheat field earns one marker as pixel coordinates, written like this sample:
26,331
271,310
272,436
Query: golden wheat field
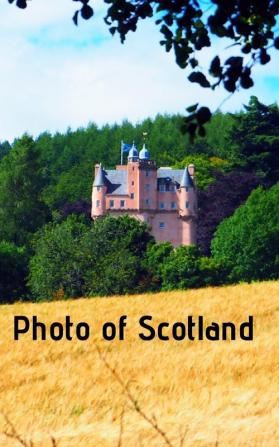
213,393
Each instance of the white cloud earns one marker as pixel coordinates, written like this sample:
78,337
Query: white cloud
55,75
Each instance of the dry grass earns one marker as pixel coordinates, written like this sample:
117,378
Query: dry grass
222,393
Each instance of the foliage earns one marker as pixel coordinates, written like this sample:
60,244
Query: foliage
116,248
185,268
58,261
220,200
103,259
248,242
13,270
21,209
255,138
153,262
114,273
80,207
187,27
206,168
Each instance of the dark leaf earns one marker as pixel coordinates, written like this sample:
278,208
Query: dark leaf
203,115
21,4
199,78
86,12
276,43
215,67
75,18
193,62
192,108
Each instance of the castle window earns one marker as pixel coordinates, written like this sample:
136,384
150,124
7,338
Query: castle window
187,205
146,173
162,205
162,225
173,205
122,203
111,203
98,188
98,203
162,187
133,183
187,188
171,188
146,201
147,186
132,195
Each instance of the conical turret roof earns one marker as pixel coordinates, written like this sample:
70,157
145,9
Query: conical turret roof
144,153
100,179
186,181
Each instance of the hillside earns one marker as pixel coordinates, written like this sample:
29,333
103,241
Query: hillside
223,393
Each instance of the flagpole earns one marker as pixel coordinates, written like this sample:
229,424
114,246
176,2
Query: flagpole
121,159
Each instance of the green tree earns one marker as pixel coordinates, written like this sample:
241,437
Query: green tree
255,140
247,243
181,269
185,268
79,260
13,272
116,248
59,261
21,182
114,273
155,258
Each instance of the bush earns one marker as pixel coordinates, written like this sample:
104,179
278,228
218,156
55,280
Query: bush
185,268
247,243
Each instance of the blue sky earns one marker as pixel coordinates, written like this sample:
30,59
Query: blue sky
55,75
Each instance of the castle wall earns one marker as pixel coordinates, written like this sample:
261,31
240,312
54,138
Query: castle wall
176,230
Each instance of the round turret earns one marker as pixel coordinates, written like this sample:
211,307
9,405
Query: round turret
98,194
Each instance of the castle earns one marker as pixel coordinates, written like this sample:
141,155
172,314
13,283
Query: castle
164,198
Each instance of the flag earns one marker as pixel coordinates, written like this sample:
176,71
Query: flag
126,147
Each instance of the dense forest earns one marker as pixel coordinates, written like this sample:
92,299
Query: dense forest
50,249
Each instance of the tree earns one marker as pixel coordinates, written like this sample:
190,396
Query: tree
73,259
219,201
114,273
187,27
13,272
57,266
247,243
155,258
185,268
21,182
116,248
255,138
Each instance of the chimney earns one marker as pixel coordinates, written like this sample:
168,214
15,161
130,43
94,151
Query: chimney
191,170
96,169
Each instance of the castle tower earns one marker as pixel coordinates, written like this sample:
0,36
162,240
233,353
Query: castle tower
188,204
99,194
133,177
147,181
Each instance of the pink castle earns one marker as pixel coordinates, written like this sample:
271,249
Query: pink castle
164,198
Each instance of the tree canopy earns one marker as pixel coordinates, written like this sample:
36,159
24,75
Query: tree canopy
248,242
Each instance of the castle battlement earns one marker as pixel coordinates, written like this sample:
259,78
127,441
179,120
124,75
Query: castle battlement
165,198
